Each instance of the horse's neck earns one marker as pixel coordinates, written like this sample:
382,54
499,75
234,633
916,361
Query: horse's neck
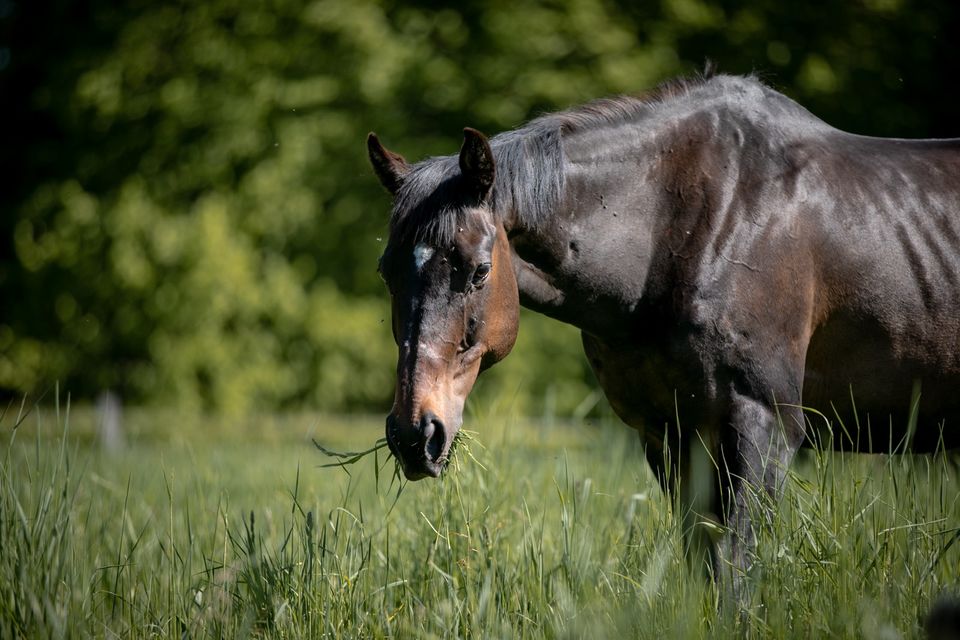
588,264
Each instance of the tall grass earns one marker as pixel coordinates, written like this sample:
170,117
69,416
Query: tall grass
542,531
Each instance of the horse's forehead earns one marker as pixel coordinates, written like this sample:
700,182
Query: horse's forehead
422,253
468,234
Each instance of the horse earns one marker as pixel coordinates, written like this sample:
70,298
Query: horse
730,259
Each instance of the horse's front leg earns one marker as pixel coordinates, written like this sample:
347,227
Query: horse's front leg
682,461
754,450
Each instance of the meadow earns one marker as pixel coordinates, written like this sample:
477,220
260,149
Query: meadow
213,527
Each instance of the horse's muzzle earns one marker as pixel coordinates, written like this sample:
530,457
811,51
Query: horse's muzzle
421,449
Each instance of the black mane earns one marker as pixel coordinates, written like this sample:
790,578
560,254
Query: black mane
529,167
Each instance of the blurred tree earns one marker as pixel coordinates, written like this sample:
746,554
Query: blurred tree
188,215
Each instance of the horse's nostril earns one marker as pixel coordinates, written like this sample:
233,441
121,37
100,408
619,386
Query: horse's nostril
435,446
434,437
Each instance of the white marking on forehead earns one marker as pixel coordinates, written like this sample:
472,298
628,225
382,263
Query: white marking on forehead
427,351
422,254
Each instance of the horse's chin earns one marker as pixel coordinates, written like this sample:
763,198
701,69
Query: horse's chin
429,470
428,467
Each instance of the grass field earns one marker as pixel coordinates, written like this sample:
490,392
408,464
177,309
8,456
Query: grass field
205,527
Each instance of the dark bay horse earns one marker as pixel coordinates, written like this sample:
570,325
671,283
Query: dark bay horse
729,259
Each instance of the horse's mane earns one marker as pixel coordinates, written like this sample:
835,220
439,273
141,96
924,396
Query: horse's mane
529,166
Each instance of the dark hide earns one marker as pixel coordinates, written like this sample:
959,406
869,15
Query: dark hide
729,258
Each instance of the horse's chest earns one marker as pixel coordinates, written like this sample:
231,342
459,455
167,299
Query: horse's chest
648,383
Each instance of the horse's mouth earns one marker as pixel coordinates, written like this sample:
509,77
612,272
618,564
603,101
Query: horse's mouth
424,468
430,460
427,469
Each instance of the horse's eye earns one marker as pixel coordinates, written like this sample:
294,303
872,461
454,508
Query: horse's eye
483,270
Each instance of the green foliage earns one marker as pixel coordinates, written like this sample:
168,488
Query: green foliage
191,218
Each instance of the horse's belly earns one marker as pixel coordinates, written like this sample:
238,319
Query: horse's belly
876,392
649,385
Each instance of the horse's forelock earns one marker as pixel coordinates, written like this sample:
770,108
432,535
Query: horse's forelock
428,206
528,185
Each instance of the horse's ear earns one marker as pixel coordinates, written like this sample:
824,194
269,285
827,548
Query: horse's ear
476,161
390,167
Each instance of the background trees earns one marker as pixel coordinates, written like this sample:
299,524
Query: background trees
187,215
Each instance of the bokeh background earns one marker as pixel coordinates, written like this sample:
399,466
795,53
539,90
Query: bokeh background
187,216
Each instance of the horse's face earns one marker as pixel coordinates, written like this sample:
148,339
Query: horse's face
454,308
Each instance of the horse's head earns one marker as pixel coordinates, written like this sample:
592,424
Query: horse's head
453,294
